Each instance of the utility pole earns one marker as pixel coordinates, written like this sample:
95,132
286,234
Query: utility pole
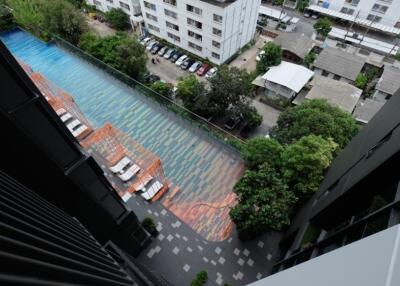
280,15
395,45
368,28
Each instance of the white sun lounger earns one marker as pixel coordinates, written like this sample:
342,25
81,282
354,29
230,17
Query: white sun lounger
61,111
79,131
73,124
152,191
143,182
120,165
66,117
128,174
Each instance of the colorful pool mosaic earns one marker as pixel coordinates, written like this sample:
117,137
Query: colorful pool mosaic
204,169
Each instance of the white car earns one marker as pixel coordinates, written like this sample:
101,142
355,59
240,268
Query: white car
151,44
162,51
211,72
258,58
145,41
180,60
195,66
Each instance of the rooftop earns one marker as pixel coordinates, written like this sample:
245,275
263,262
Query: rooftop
219,3
292,76
390,80
338,93
366,109
340,63
296,43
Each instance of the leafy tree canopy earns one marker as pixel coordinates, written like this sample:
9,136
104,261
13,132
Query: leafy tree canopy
260,150
316,117
122,52
304,162
162,88
264,202
271,57
323,26
118,19
361,81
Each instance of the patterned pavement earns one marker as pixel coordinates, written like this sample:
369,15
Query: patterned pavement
204,169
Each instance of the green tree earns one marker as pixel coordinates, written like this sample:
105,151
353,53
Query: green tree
63,19
304,163
200,279
122,52
29,15
190,89
397,56
309,59
361,81
264,202
316,117
6,18
278,2
251,117
162,88
272,57
323,26
118,19
230,92
260,150
302,5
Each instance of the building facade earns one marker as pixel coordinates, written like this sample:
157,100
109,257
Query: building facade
385,12
130,7
212,29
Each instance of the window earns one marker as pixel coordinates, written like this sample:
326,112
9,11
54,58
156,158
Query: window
194,23
171,14
194,46
379,8
217,18
325,73
217,32
193,9
374,18
111,1
336,77
397,25
172,26
170,2
174,37
195,35
347,11
215,55
97,3
149,5
124,5
216,44
154,28
151,17
353,2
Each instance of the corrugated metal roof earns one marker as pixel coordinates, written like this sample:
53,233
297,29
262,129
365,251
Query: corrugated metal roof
390,80
296,43
365,110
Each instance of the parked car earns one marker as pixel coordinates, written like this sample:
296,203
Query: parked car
151,78
258,57
187,63
141,38
162,51
232,122
211,72
168,54
151,45
306,14
194,67
181,60
315,16
156,48
203,70
145,41
175,57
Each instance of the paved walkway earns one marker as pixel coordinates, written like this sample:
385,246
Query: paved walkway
178,253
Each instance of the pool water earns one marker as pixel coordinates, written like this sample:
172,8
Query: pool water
204,169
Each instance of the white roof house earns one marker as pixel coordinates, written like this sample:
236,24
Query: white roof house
292,76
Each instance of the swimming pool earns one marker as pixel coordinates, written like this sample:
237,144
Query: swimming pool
203,168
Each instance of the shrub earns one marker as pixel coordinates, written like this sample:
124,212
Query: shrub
200,279
323,26
118,19
361,81
149,225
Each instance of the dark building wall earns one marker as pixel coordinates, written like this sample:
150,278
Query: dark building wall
39,151
360,192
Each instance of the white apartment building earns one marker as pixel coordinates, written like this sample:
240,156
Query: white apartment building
384,12
131,7
211,29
